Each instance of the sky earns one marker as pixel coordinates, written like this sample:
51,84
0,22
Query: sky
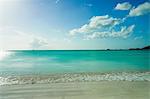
74,24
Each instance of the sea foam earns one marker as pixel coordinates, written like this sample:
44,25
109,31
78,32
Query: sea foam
75,77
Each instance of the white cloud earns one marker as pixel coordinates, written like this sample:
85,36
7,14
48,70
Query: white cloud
57,1
97,23
123,6
38,43
89,5
103,27
140,10
12,38
123,33
35,42
138,37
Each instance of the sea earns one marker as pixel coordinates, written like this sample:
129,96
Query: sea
51,66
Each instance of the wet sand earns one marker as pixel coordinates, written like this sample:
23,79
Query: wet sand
79,90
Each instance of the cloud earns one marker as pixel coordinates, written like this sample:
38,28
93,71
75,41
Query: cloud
57,1
97,23
123,6
89,5
142,9
138,37
13,38
103,27
38,43
123,33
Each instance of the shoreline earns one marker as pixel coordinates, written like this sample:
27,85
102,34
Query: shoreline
74,78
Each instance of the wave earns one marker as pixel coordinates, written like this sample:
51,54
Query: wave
74,77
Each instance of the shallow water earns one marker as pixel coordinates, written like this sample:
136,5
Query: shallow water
22,63
16,62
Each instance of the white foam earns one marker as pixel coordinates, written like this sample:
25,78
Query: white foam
83,77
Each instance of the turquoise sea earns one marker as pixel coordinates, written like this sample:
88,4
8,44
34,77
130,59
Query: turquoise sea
47,62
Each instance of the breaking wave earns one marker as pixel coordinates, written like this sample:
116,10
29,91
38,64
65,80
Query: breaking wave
76,77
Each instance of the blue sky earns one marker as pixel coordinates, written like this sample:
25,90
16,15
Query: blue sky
74,24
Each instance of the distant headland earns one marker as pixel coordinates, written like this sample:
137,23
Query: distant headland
144,48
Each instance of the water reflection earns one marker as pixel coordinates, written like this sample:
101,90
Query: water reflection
4,54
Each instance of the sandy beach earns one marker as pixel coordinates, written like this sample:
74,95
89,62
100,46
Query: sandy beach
74,49
79,90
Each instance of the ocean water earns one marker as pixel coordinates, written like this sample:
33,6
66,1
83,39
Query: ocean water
77,65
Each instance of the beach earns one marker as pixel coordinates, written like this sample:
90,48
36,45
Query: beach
78,90
74,49
75,75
